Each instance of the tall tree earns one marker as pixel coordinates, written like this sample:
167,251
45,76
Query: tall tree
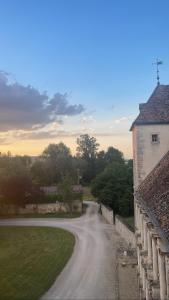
87,147
55,150
87,150
100,162
106,158
113,155
59,158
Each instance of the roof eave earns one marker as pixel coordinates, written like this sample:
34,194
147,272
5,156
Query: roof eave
141,123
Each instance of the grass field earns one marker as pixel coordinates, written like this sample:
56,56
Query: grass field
30,260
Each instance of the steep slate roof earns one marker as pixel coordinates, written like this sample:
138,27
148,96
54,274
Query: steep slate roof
153,192
156,110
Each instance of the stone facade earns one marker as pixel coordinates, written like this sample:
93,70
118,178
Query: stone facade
147,154
151,193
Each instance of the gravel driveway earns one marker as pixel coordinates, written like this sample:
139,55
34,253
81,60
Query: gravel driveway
91,271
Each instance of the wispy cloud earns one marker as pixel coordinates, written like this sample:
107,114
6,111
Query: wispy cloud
122,120
13,136
87,119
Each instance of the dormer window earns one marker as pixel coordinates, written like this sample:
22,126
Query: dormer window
155,138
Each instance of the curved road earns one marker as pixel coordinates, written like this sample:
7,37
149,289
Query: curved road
91,271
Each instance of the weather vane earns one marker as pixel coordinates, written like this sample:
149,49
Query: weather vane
157,63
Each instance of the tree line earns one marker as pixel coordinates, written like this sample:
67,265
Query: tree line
109,175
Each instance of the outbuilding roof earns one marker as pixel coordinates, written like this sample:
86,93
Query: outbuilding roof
156,110
153,192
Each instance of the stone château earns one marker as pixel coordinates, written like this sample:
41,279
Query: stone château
151,191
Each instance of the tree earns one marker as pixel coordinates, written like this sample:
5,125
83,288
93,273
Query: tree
79,167
57,163
114,188
87,150
15,181
54,150
43,172
26,160
104,159
58,157
113,155
65,189
87,147
100,162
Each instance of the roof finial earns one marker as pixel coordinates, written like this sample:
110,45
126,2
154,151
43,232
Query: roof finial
157,63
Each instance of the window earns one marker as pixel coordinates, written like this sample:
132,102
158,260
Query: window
155,138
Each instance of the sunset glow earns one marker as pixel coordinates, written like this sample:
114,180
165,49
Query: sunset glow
80,71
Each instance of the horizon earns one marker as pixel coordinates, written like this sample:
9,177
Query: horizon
75,67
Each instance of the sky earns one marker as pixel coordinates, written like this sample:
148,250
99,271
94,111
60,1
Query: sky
71,67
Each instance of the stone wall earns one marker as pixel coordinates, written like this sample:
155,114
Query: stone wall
125,232
43,208
121,228
107,214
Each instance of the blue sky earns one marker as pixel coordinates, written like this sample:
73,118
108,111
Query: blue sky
98,52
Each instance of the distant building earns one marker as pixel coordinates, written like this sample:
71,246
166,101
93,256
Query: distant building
53,190
151,189
49,190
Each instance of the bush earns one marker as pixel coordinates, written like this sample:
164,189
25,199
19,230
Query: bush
48,199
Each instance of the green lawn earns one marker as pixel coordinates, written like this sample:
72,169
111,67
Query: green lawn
47,215
30,260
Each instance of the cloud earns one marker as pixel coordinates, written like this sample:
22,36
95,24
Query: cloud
87,119
38,135
59,105
90,131
122,120
24,107
3,141
13,136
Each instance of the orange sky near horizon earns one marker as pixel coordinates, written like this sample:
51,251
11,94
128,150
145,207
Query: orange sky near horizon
36,147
